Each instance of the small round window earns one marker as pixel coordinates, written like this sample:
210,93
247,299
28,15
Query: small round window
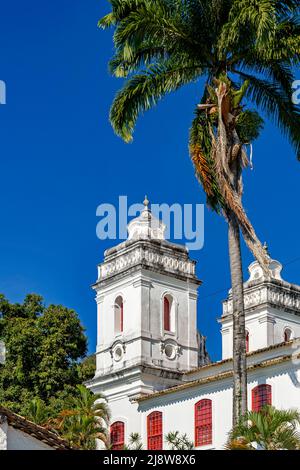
170,351
118,353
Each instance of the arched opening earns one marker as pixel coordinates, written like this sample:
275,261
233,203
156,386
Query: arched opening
119,314
168,313
203,423
261,396
117,435
288,335
155,431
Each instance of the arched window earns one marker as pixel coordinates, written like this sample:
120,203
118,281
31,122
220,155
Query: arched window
288,335
155,431
203,423
117,435
261,396
167,314
118,307
247,341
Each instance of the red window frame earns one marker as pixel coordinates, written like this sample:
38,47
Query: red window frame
261,396
203,423
122,317
167,322
117,435
155,431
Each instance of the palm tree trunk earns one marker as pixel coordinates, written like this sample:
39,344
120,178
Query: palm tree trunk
239,342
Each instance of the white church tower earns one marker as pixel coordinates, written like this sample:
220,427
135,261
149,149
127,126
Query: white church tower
147,338
272,310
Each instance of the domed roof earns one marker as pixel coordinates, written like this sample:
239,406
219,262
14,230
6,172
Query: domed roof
146,226
256,272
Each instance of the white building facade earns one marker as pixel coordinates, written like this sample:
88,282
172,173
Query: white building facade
152,364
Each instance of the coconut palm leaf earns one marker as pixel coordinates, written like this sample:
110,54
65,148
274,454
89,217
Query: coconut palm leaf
268,429
143,91
275,103
84,420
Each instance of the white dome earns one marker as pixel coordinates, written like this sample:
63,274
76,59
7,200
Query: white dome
256,272
146,226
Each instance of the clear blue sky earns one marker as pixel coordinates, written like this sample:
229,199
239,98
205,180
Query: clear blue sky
60,160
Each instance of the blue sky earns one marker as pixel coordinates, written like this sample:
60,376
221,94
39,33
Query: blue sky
60,159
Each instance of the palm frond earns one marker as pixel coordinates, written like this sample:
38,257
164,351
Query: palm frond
200,151
155,22
128,60
273,100
257,18
269,428
143,90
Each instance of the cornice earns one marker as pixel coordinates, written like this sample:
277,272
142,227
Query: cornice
147,256
276,294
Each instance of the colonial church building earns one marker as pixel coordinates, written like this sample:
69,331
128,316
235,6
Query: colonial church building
152,363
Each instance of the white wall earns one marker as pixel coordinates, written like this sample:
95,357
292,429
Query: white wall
178,407
265,326
178,412
18,440
3,433
143,322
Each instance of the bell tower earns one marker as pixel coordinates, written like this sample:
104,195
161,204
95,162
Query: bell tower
272,310
146,295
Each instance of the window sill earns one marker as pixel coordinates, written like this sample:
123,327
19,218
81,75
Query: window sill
169,333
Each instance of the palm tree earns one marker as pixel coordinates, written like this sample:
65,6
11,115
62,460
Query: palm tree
84,420
177,441
37,412
268,429
246,50
135,442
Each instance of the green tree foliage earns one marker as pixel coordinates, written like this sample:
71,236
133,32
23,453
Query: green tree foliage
135,442
87,368
36,411
43,347
161,45
178,441
84,419
268,429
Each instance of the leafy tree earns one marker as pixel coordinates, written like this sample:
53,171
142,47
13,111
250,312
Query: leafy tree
87,368
179,441
246,51
62,344
43,346
84,419
268,429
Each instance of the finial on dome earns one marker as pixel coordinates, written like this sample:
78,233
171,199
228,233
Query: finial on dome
146,202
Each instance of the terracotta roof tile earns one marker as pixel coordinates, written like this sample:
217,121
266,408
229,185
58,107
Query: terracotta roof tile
222,375
38,432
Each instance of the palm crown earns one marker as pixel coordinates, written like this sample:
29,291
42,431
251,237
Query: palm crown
84,420
245,48
268,429
178,41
